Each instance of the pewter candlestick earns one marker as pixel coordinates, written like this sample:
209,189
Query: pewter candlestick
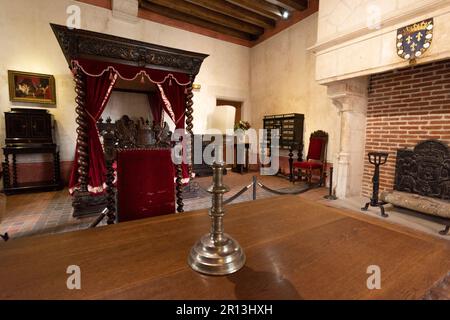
217,253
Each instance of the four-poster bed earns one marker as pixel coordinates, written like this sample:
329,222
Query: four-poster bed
97,61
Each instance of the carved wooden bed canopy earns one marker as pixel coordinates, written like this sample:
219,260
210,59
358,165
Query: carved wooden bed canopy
96,56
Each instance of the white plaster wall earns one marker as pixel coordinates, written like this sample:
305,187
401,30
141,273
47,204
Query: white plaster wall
282,81
28,44
134,105
351,43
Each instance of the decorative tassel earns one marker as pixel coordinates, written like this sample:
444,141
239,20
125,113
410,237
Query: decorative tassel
170,81
111,76
142,78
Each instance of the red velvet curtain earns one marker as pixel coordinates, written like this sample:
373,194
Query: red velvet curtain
101,77
98,92
156,106
176,95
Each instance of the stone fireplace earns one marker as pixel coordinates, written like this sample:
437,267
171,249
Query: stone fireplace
405,107
384,102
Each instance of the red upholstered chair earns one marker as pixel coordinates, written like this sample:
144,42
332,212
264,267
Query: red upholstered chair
145,183
316,158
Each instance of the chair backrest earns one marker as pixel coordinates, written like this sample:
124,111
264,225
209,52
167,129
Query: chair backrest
317,146
145,183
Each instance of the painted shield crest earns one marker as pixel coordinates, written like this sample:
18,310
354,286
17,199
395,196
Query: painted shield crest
415,39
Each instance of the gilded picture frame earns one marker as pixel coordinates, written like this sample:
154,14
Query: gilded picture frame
31,87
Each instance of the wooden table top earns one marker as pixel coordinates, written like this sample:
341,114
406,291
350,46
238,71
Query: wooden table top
296,249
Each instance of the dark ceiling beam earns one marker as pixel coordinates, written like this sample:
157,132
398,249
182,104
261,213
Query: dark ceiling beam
208,15
295,4
235,11
261,7
173,14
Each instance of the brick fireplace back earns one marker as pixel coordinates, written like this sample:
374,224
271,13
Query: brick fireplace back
405,107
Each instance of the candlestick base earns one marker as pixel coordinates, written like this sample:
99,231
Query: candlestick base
216,258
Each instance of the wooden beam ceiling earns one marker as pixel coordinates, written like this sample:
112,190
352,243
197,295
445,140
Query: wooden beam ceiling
233,10
261,7
293,4
194,10
243,22
174,14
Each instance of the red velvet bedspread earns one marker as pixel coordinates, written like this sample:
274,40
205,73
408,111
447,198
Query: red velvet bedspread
145,184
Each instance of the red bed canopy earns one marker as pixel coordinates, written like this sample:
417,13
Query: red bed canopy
100,79
97,61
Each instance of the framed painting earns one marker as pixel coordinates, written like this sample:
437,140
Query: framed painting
31,87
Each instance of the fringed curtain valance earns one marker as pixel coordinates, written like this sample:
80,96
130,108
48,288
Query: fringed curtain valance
100,80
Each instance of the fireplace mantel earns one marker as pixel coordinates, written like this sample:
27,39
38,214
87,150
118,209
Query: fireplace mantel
348,46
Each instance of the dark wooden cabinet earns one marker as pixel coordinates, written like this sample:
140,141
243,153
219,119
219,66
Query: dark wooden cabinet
28,126
29,131
290,127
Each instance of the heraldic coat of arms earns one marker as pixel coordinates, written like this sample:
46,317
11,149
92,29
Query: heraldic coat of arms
415,39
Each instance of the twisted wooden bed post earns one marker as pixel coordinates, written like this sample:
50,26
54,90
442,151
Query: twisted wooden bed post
179,182
189,122
82,129
83,202
81,195
110,155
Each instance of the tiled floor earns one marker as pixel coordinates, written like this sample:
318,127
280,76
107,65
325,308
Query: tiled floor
51,212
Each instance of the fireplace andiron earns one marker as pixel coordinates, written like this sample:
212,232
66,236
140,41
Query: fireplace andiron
377,159
331,195
217,253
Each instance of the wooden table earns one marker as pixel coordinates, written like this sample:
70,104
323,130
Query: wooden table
295,249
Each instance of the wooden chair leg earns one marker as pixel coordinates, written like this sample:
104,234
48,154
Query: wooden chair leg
322,177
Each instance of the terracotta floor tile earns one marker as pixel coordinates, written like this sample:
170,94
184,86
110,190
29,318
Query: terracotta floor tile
51,212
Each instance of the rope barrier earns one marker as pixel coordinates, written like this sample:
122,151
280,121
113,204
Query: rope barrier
237,195
255,183
287,192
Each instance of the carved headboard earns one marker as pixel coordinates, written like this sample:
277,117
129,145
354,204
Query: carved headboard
126,133
425,170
